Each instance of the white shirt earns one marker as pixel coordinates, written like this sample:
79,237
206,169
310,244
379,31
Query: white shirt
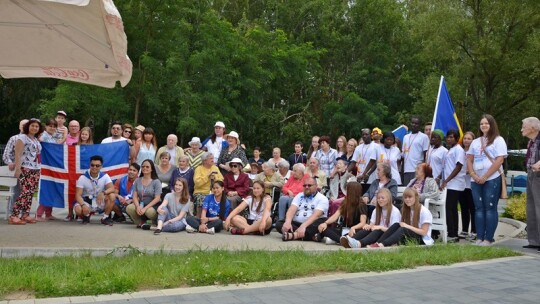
391,157
92,187
363,154
425,218
307,205
215,147
395,217
435,158
252,206
414,146
111,140
481,162
453,157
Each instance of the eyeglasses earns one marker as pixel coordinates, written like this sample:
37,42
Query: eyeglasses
127,131
308,185
116,128
95,165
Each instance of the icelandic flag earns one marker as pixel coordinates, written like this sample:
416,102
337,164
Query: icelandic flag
61,166
400,132
445,117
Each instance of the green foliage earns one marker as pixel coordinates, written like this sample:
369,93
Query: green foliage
86,275
517,207
280,71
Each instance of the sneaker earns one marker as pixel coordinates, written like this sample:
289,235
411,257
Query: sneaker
211,231
119,219
146,227
452,239
344,242
68,219
107,221
353,243
463,235
79,219
329,241
472,236
157,231
86,219
190,229
485,244
478,242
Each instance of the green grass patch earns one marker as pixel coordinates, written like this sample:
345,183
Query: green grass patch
86,275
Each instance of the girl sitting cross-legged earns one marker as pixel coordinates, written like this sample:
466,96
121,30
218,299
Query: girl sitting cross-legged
384,216
258,220
215,210
415,225
175,207
353,210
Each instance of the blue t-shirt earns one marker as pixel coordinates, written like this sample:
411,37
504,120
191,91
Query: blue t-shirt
212,206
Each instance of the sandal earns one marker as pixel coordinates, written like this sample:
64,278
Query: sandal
157,231
237,231
28,219
287,236
14,220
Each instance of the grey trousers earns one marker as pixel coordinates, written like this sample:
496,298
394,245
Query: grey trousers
533,208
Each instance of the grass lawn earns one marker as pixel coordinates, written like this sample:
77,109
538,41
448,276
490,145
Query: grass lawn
77,276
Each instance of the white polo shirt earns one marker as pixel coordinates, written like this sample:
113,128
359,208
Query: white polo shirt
93,186
308,205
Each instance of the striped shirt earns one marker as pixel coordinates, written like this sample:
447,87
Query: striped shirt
195,160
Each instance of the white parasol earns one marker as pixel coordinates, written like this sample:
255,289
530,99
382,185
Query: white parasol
76,40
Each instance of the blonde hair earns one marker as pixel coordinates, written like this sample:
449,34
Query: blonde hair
411,212
388,207
90,140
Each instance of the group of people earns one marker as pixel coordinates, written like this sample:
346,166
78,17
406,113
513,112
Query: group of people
344,195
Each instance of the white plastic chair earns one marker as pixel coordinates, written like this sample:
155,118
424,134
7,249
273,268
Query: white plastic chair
438,210
7,179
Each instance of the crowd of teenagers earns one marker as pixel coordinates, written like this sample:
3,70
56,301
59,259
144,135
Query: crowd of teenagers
345,195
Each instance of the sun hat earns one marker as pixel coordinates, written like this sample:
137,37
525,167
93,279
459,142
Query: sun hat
195,140
235,135
140,128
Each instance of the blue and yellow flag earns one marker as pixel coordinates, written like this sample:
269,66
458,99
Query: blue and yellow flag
445,117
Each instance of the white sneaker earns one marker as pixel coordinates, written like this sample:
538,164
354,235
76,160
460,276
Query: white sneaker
190,229
328,241
211,231
353,243
463,235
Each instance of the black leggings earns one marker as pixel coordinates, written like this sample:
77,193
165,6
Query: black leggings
333,233
398,235
195,222
467,210
452,197
368,237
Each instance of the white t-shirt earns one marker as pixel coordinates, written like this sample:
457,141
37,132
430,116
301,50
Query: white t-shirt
425,217
172,153
395,217
362,155
252,206
414,146
91,186
307,205
467,176
111,140
435,158
455,155
481,162
215,147
391,157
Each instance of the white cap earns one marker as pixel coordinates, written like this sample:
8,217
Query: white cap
220,124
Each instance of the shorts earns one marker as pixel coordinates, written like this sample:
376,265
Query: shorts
266,232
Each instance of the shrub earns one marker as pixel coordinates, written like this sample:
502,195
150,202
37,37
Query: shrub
516,207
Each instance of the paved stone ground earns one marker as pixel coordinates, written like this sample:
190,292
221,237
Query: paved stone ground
509,280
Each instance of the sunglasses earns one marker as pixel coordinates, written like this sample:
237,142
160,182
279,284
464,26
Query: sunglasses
234,166
95,165
308,185
127,131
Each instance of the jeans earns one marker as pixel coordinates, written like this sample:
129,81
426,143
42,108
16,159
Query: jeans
486,199
195,222
284,203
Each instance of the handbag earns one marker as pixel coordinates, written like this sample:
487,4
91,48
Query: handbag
504,193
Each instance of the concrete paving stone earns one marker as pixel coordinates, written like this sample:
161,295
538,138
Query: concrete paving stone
487,295
224,300
81,299
53,301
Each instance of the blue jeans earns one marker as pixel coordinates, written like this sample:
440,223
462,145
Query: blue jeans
284,203
486,199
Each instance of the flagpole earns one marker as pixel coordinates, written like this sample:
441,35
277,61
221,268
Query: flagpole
434,120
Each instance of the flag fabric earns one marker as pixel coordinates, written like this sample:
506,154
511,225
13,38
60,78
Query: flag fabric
61,166
400,132
445,117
